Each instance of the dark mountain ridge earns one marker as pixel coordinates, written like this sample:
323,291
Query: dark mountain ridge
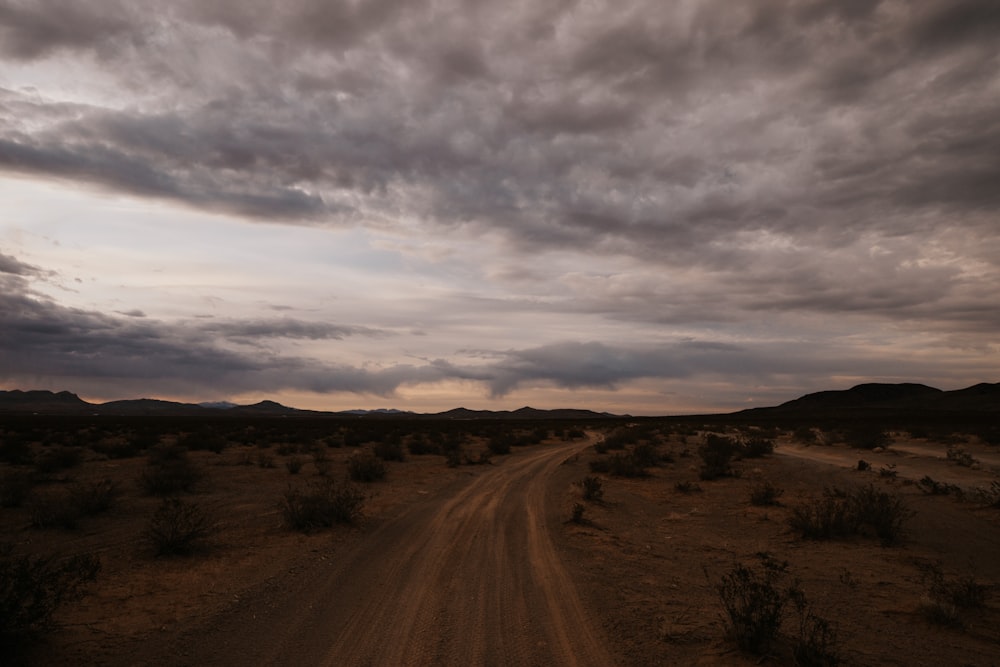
983,398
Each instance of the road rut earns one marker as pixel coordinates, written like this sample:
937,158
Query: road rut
470,577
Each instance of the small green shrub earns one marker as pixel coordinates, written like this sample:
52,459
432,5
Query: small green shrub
177,528
293,465
365,467
32,589
322,504
577,514
687,487
593,488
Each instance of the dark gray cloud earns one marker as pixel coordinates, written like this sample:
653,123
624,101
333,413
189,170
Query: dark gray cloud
783,159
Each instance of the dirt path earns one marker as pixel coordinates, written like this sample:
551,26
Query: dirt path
470,577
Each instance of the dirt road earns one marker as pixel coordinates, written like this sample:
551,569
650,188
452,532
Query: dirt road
469,577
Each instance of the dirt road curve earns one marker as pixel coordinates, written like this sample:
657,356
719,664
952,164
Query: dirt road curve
468,578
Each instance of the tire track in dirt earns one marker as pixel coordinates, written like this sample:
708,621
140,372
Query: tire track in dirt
470,578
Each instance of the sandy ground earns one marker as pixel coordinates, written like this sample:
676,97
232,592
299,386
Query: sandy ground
480,565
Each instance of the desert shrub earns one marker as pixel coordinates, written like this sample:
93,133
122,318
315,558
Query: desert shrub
756,447
816,642
575,434
54,459
177,528
645,455
389,449
624,464
322,504
945,598
499,445
931,486
716,455
888,471
204,441
365,467
805,434
766,493
421,445
483,458
754,603
93,498
593,488
265,459
863,466
322,462
15,485
958,455
293,465
885,513
867,437
168,470
844,513
53,510
577,513
32,589
828,517
687,487
453,456
602,465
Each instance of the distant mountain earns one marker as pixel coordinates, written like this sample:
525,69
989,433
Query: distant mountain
265,408
44,402
522,413
66,403
874,397
218,405
149,407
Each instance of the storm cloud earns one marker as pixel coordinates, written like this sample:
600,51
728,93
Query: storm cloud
737,174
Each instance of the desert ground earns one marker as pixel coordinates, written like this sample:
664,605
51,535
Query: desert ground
502,560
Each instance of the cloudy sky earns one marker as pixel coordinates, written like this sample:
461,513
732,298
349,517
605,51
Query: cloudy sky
646,207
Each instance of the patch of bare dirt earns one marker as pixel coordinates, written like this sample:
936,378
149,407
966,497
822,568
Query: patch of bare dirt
482,564
651,557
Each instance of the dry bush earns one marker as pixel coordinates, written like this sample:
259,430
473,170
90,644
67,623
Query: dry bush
177,528
840,514
168,470
322,504
765,494
754,603
593,488
32,589
366,467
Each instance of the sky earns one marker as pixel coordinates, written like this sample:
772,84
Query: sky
634,207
